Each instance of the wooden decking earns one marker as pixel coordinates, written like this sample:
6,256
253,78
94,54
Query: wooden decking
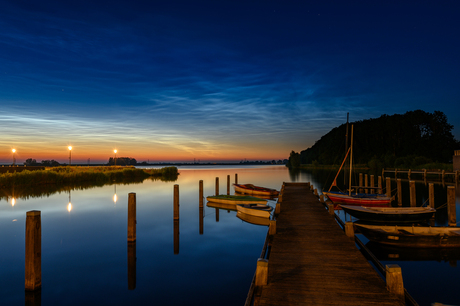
313,262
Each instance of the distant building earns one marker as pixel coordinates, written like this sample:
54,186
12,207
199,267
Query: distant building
456,160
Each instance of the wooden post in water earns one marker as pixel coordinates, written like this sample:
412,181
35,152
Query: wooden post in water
372,184
349,230
451,209
132,216
261,272
424,174
272,228
394,280
396,173
330,208
360,182
443,174
412,194
379,184
366,183
408,174
176,202
33,260
217,186
431,195
228,184
236,178
388,186
201,193
321,198
383,172
277,208
398,182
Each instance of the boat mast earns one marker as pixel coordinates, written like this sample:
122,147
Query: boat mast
351,161
346,150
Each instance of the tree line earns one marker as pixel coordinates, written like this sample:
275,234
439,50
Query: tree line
405,141
119,161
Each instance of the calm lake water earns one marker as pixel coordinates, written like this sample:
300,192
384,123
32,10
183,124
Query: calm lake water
85,251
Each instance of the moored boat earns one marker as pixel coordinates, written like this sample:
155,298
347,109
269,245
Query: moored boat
258,210
390,214
235,199
412,236
253,219
257,190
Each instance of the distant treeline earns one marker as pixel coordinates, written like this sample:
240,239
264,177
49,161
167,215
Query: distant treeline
119,161
398,141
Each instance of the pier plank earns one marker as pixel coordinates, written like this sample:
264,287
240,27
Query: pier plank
313,262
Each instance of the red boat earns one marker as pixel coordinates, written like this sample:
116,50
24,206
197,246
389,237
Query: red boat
251,189
361,199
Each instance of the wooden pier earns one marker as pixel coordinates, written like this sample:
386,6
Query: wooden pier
312,262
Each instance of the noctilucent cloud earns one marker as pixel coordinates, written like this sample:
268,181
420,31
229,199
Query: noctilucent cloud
215,80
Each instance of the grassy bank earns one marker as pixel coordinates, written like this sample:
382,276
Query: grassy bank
69,175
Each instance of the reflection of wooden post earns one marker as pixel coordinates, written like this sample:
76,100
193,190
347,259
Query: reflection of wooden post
398,182
201,220
131,265
228,184
217,214
412,194
33,267
388,186
176,236
360,182
201,193
236,178
431,195
394,280
176,202
451,209
379,185
217,186
33,298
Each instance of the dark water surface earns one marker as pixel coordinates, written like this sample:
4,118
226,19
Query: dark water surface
85,251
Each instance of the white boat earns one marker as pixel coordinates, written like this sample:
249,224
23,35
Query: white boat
258,210
235,199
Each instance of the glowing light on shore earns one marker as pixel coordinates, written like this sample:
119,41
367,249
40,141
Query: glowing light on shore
13,201
69,207
115,198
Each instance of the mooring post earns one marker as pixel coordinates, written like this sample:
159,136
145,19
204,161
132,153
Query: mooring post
408,174
330,208
360,182
201,193
383,172
412,194
424,174
388,186
261,272
379,185
321,198
228,184
236,178
451,209
217,186
372,184
366,183
396,173
394,280
277,208
443,174
431,195
272,228
132,216
176,202
33,260
315,192
398,182
349,230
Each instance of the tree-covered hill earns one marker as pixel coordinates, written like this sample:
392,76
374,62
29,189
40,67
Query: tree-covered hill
389,140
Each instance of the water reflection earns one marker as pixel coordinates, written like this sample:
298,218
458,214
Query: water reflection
132,265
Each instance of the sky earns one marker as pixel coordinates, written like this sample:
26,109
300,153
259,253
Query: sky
215,80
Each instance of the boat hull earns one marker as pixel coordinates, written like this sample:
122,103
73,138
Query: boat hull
412,237
255,210
232,199
251,189
253,219
389,214
371,200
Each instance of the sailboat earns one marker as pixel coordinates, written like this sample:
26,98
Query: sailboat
350,198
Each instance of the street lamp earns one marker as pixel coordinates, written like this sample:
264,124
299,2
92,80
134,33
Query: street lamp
70,155
115,151
14,160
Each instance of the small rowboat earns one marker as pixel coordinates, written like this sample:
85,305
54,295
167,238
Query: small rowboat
257,190
253,219
258,210
412,236
360,199
234,199
390,214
